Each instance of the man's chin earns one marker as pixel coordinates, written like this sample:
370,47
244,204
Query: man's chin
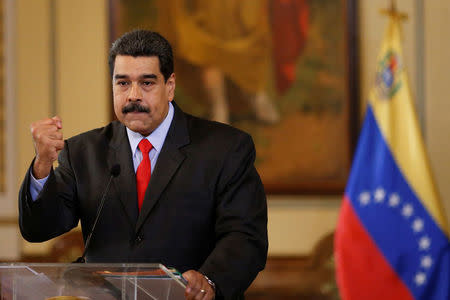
138,126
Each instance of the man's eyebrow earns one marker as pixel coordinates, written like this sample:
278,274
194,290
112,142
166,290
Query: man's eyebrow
151,76
143,76
120,76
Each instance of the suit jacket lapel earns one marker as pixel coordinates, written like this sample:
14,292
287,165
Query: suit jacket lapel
169,160
125,184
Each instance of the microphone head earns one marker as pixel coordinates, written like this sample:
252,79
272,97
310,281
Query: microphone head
115,170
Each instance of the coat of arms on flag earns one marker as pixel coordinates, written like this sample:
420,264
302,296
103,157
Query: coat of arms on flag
387,83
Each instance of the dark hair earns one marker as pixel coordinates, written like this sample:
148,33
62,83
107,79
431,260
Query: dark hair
143,43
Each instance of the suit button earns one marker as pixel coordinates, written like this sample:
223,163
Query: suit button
138,239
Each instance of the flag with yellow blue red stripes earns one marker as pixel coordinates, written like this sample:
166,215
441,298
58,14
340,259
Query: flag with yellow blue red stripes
392,238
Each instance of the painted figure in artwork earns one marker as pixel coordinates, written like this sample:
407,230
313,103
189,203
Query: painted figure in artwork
238,40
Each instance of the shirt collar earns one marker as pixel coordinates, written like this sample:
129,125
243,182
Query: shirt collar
157,137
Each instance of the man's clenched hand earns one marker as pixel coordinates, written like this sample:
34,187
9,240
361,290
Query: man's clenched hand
48,141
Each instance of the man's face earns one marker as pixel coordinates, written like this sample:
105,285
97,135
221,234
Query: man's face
141,97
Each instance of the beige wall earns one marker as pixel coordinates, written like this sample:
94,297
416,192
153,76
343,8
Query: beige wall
32,75
82,39
437,89
295,222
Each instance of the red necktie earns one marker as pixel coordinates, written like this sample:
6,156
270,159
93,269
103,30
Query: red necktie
143,171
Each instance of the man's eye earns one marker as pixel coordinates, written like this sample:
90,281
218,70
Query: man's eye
147,83
122,83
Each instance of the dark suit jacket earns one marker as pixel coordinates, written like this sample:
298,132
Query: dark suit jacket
205,207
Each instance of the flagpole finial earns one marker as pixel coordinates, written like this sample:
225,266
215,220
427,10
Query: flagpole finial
393,12
393,6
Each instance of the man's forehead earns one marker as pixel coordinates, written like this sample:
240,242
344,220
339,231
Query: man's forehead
139,65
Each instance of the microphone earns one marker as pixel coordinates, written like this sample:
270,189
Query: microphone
115,171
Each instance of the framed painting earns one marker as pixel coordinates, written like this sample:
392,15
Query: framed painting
284,71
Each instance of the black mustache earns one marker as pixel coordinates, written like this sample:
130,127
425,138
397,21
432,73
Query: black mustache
135,107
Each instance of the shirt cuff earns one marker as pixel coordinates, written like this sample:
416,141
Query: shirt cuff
36,185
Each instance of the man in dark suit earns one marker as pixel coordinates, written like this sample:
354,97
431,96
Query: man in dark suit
188,194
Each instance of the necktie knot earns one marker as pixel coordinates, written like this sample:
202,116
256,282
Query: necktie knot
145,146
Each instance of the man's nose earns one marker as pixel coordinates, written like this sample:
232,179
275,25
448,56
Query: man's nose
135,93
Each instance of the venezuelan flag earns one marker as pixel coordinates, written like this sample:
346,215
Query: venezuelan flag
392,239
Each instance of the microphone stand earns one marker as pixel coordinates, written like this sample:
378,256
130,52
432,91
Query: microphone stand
115,171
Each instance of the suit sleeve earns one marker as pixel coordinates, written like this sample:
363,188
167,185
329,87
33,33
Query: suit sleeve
241,223
55,210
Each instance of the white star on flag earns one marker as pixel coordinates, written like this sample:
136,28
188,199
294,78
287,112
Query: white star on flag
424,243
426,262
379,195
407,210
417,225
364,198
420,278
394,200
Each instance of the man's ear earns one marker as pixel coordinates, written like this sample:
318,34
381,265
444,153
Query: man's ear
170,86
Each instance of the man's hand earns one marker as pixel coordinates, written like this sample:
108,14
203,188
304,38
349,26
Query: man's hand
48,140
198,287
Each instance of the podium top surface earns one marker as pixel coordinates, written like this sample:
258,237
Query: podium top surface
90,281
84,265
